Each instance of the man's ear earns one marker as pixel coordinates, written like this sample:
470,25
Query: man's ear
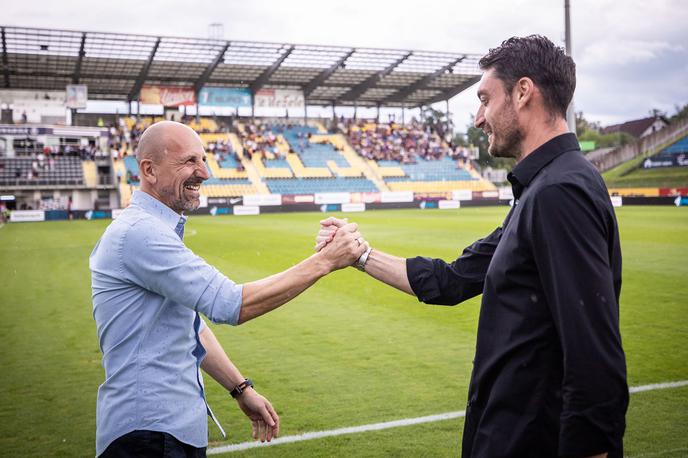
524,90
147,171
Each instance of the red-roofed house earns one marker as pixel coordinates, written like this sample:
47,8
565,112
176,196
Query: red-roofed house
638,128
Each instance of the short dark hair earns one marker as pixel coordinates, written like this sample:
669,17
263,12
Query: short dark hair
537,58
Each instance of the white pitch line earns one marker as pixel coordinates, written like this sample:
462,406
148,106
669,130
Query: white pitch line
337,432
657,386
391,424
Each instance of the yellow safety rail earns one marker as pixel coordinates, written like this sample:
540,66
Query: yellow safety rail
336,140
213,138
90,173
320,127
236,145
209,125
306,172
348,172
220,172
265,172
282,145
386,172
227,190
125,191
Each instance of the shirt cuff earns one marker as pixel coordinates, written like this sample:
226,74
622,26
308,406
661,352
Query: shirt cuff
222,304
421,276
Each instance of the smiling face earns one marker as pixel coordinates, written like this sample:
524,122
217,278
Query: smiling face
497,117
173,166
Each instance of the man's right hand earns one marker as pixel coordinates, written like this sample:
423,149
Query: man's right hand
328,228
344,247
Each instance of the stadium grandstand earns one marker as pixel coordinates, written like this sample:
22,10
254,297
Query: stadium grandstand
91,164
55,155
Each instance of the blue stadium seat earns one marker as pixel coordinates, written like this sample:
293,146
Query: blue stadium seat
276,164
680,147
429,170
230,162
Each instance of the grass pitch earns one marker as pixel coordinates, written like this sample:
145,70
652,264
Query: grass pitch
348,352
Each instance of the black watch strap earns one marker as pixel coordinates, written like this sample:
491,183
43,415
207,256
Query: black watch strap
240,388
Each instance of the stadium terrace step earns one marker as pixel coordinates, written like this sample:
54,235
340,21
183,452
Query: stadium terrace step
90,173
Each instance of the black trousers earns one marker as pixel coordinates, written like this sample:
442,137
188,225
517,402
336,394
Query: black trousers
151,444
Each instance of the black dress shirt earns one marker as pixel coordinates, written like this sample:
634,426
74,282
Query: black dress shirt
549,375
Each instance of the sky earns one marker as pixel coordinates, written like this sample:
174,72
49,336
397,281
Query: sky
631,55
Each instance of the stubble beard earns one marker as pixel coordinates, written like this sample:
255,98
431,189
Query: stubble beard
179,204
511,135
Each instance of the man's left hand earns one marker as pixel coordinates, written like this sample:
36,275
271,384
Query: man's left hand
264,419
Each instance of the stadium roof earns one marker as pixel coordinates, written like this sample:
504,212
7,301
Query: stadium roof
115,67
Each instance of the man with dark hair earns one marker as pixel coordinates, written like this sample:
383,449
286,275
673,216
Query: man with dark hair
549,375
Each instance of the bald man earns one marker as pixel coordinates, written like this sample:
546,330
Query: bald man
149,290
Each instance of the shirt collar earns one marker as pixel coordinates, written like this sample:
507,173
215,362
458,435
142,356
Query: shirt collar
156,208
524,172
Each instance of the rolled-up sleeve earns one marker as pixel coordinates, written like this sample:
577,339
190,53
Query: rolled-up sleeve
572,253
434,281
157,260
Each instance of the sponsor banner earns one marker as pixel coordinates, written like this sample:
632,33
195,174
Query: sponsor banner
355,197
669,160
673,192
203,201
22,216
219,211
681,201
355,207
617,201
97,214
304,199
279,98
490,194
56,215
241,210
505,193
8,129
448,204
333,198
116,212
76,96
262,200
217,201
297,199
234,97
399,196
169,96
371,197
462,194
330,208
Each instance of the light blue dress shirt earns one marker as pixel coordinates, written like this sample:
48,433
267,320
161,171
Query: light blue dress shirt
147,290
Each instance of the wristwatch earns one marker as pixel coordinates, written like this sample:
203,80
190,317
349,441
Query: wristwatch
240,388
360,264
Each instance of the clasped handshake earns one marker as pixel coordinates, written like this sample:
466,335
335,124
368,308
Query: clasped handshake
342,243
